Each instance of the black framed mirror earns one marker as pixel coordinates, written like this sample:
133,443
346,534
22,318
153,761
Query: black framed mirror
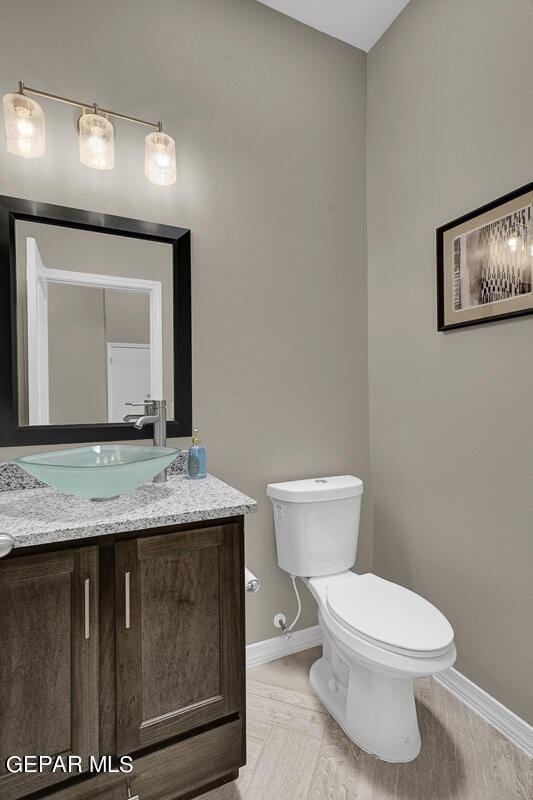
95,312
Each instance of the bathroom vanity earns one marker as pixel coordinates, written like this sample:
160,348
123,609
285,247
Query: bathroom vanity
123,634
122,622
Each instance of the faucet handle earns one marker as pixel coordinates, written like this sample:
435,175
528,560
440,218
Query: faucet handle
145,403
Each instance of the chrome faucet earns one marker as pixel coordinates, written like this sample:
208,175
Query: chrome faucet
155,413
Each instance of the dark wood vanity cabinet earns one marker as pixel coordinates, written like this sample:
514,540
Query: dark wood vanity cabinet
133,646
178,647
48,661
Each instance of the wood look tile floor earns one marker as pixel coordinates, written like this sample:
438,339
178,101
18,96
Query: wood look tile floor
297,752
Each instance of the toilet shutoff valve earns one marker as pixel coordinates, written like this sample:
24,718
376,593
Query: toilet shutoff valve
280,621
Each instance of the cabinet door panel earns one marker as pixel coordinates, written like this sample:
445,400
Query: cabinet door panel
190,583
48,662
179,654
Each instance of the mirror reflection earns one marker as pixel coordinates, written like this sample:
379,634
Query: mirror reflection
94,324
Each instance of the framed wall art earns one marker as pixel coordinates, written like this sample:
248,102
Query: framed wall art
485,263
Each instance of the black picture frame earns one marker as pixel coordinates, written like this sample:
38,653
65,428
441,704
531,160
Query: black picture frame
441,276
13,434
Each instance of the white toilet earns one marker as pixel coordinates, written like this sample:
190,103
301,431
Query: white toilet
377,635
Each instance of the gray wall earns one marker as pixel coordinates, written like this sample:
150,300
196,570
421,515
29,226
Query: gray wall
127,319
77,358
269,120
450,125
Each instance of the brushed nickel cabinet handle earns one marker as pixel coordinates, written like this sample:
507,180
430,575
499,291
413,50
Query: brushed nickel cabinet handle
127,595
87,606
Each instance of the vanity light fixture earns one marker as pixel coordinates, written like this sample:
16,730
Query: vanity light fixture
24,124
160,158
25,134
97,141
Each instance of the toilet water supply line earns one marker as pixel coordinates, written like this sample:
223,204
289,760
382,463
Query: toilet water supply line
279,619
252,584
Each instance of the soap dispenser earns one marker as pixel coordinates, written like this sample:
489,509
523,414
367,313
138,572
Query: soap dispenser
196,461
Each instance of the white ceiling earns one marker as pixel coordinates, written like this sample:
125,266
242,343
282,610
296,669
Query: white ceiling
358,22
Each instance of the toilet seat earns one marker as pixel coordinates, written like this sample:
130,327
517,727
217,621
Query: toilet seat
388,615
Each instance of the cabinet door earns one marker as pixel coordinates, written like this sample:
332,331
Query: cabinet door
48,662
180,652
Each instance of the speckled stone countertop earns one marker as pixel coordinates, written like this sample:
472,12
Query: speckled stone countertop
44,516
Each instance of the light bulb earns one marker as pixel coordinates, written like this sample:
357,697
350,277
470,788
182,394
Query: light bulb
160,158
97,141
513,243
24,126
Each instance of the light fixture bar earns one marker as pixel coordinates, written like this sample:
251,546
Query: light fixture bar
28,90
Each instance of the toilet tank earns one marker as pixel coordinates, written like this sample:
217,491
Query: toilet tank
317,524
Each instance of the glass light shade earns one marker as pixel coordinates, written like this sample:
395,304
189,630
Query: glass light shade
24,126
97,142
160,158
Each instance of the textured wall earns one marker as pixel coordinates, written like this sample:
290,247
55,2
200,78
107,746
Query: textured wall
269,119
450,126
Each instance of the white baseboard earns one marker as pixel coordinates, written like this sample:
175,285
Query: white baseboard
270,649
517,730
505,721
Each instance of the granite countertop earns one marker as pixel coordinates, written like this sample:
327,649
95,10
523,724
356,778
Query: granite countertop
44,516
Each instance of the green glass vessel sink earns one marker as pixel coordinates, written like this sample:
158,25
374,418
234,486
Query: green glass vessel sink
100,471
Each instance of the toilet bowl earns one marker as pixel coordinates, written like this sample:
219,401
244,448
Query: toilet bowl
377,636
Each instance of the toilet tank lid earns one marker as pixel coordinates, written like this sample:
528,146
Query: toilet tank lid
312,490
